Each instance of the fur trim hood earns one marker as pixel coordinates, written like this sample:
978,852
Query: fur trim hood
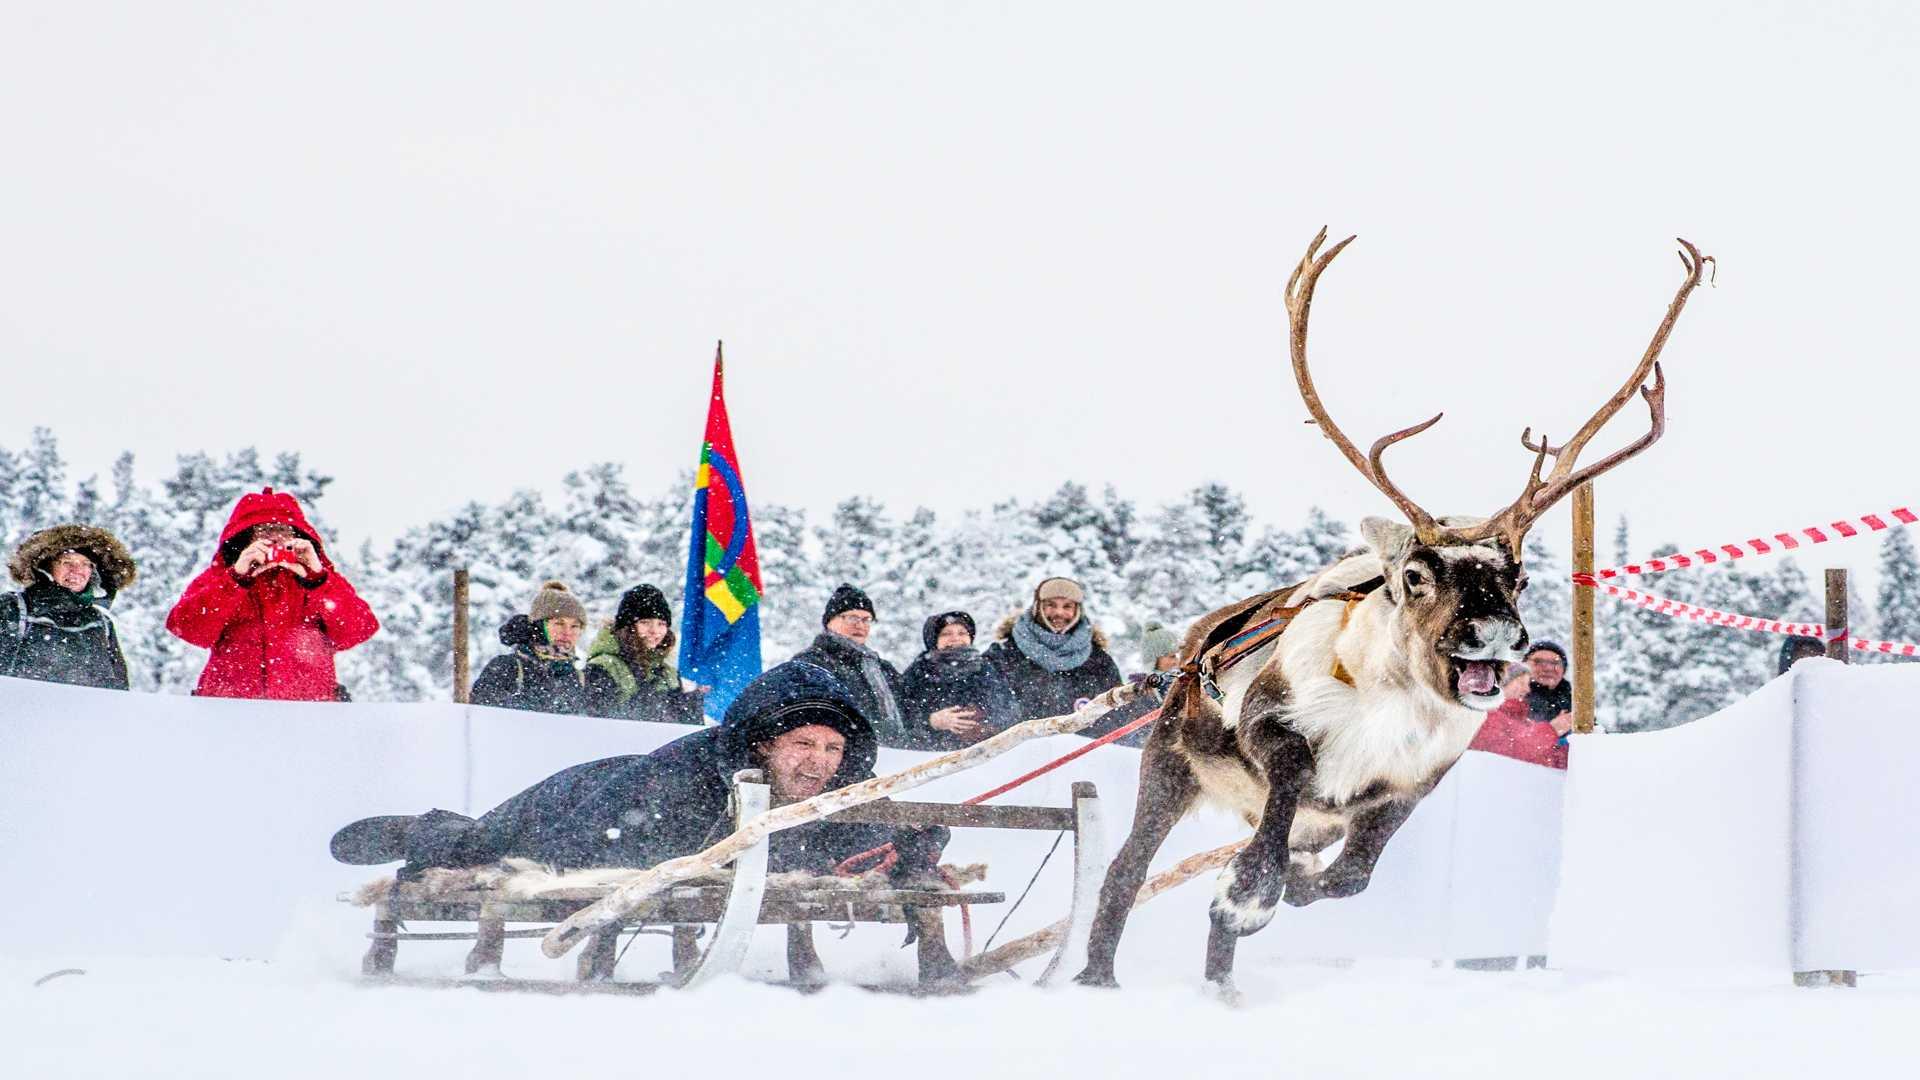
113,564
1004,632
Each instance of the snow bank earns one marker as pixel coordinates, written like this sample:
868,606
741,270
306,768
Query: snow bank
1776,833
162,825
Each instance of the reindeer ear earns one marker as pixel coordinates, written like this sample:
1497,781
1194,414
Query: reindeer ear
1389,539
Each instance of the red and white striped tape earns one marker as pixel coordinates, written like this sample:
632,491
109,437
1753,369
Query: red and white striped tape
1662,605
1782,541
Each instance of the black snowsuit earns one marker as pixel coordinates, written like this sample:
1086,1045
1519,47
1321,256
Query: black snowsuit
1049,693
521,679
844,661
943,678
53,634
642,809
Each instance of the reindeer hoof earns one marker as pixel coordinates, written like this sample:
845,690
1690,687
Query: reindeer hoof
1245,904
1099,980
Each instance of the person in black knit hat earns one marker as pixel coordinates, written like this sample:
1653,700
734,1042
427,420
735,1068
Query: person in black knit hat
842,650
630,671
954,696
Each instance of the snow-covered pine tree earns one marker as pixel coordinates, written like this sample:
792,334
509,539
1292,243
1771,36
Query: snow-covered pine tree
1547,605
1899,599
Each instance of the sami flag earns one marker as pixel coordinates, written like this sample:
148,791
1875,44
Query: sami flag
720,618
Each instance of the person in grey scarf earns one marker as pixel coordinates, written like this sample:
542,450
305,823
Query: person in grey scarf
873,683
1051,654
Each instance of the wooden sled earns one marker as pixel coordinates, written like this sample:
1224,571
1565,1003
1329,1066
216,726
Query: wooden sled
732,910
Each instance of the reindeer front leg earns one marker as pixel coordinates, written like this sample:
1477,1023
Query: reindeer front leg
1350,873
1249,889
1167,791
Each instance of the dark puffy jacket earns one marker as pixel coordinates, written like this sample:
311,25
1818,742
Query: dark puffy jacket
1047,693
844,661
622,688
53,634
642,809
522,679
943,678
1543,704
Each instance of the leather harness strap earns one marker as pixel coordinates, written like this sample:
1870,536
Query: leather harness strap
1216,658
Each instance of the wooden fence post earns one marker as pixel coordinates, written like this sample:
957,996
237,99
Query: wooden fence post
460,636
1837,650
1583,683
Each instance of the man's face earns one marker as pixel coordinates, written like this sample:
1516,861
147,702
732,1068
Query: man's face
1058,614
952,636
563,632
71,571
852,625
1546,668
651,632
801,763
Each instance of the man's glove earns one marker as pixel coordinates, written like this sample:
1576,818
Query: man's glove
919,849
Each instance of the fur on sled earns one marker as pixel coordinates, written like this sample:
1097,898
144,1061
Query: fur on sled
526,879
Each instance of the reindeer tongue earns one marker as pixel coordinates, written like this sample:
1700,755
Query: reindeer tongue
1478,677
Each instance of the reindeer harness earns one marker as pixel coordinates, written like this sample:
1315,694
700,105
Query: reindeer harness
1239,636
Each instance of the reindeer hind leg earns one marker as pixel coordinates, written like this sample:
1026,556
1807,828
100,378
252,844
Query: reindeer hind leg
1167,791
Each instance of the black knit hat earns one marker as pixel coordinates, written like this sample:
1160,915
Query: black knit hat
930,633
845,598
642,602
1549,646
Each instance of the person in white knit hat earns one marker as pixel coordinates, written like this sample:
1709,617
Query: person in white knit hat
1051,653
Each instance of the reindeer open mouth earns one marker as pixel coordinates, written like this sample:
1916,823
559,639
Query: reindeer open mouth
1476,680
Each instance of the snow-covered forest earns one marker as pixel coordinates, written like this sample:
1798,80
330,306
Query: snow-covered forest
1168,563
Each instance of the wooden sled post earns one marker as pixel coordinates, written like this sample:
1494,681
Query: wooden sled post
489,943
1089,870
734,932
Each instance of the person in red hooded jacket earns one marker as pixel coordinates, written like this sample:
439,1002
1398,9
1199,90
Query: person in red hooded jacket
272,607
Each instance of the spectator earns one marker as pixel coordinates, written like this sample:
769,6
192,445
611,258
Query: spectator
796,723
1159,649
630,673
1511,732
1797,648
538,673
954,697
57,627
272,608
1051,654
842,649
1549,694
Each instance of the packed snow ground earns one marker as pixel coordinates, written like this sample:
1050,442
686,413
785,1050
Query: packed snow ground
304,1016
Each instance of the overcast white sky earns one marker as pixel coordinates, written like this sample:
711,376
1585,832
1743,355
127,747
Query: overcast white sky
965,251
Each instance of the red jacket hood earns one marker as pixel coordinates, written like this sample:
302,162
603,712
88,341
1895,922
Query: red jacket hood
270,507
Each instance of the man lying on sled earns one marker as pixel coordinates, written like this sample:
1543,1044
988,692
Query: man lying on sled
795,723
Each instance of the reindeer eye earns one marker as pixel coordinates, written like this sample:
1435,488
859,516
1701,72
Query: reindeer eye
1415,579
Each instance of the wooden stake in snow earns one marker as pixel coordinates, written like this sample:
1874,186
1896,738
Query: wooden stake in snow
617,904
1013,952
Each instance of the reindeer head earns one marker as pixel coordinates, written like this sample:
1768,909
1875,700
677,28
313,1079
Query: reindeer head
1455,582
1455,609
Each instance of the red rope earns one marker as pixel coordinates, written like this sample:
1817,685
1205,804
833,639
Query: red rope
1111,736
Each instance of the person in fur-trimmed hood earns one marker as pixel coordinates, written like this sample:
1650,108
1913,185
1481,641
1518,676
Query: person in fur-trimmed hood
57,627
795,723
1051,654
873,683
272,608
954,696
630,673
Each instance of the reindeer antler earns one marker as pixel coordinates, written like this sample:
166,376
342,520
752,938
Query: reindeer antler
1539,494
1300,288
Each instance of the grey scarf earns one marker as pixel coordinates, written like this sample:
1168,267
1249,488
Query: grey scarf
888,723
1055,652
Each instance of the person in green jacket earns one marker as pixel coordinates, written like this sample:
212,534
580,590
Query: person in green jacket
630,671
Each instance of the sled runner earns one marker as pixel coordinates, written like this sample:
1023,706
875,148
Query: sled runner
724,913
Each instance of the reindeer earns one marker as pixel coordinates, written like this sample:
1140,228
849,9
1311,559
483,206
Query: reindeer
1385,667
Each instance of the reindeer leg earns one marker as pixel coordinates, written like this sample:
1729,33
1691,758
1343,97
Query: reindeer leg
1250,887
1167,790
1351,872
